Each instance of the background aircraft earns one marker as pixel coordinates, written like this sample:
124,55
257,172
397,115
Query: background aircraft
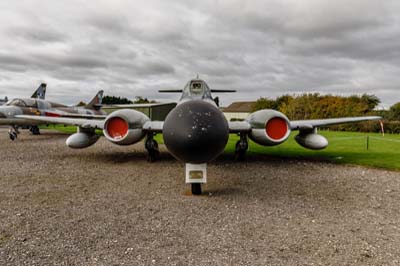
3,101
196,131
37,106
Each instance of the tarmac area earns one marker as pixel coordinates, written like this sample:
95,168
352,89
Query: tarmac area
106,205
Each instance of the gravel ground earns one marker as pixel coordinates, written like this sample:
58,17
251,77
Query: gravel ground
106,205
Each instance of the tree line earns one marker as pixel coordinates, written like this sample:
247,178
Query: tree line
122,100
317,106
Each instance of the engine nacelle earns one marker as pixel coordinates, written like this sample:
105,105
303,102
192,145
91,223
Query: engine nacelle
82,140
312,141
269,127
125,127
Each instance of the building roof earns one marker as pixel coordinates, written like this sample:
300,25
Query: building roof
239,107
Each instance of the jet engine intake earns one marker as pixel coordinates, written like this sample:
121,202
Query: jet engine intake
269,127
125,127
312,141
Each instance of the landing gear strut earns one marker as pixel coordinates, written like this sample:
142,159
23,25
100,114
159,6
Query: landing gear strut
196,188
34,130
241,147
152,148
13,132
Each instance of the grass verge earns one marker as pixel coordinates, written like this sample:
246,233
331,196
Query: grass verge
344,147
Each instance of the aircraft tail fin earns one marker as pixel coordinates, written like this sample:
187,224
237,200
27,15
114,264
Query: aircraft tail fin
95,103
40,92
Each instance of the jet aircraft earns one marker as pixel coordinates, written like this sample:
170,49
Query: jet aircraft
196,131
38,106
3,101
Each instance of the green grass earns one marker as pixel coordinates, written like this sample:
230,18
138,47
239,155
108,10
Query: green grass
344,148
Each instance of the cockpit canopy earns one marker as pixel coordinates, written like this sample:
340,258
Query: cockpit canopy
22,103
196,89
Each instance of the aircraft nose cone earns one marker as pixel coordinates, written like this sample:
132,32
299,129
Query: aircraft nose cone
195,132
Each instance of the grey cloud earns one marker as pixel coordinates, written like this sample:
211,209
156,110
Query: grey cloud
37,34
261,48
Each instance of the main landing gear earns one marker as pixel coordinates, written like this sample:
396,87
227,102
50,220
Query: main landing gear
241,147
34,130
152,148
13,132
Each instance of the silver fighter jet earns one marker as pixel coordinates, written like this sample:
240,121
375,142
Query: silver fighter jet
196,131
38,106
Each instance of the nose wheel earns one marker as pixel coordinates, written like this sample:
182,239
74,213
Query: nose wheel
151,146
241,148
13,133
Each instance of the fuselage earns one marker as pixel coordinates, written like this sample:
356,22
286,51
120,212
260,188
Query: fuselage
196,131
39,107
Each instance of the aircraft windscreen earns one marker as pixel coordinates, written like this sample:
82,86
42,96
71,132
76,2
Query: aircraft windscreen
17,102
23,103
196,88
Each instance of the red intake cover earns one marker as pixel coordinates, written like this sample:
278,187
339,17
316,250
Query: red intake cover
276,128
117,128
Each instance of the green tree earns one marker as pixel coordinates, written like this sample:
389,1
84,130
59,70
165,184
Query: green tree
264,103
115,100
394,112
140,99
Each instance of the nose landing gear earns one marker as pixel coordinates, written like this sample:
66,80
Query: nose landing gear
13,132
151,146
196,189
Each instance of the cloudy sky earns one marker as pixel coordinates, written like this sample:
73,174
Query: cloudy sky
260,48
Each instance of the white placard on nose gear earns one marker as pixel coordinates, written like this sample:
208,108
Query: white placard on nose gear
196,173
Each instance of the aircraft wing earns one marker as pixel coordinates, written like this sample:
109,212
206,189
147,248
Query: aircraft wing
239,126
244,126
310,124
84,123
85,116
154,126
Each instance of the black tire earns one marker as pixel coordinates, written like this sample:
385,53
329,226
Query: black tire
152,156
241,156
240,151
11,136
196,188
35,130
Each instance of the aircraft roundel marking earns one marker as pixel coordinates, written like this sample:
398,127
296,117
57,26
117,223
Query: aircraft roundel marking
276,128
117,128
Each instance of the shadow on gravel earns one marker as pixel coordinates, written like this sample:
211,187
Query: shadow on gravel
42,137
224,191
125,157
265,158
288,178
